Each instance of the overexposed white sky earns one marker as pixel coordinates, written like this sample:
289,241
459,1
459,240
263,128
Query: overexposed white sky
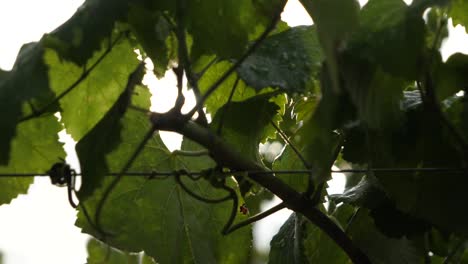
39,227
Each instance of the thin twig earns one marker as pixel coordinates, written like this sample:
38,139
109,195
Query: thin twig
185,60
83,76
351,220
296,150
200,74
241,60
180,100
256,218
191,153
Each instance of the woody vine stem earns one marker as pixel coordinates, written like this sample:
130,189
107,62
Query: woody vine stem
226,156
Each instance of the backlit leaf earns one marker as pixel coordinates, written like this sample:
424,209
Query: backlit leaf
23,90
89,101
289,60
458,13
157,216
34,149
335,21
101,253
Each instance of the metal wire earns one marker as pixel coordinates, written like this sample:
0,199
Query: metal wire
162,174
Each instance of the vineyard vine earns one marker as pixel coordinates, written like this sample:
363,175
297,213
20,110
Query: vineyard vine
364,89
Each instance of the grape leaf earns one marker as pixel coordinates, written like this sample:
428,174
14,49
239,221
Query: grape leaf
20,96
233,118
392,35
437,28
106,136
82,35
319,248
220,96
379,248
101,253
286,244
28,154
153,32
390,221
451,76
207,25
299,241
433,197
375,93
367,193
289,60
458,13
316,138
290,161
90,100
335,21
157,216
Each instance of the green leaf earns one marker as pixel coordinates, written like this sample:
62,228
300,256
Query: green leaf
101,151
289,60
392,35
23,90
317,139
433,197
375,93
437,27
147,260
82,35
157,216
245,124
451,76
299,241
105,137
154,34
286,245
177,229
195,163
208,20
28,154
458,13
290,161
335,21
221,95
90,100
100,253
367,193
379,248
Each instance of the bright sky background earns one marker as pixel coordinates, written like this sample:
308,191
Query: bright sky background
39,227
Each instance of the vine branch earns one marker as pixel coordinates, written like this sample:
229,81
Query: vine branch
255,218
185,60
226,156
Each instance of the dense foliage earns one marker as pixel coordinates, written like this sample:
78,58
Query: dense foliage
364,89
